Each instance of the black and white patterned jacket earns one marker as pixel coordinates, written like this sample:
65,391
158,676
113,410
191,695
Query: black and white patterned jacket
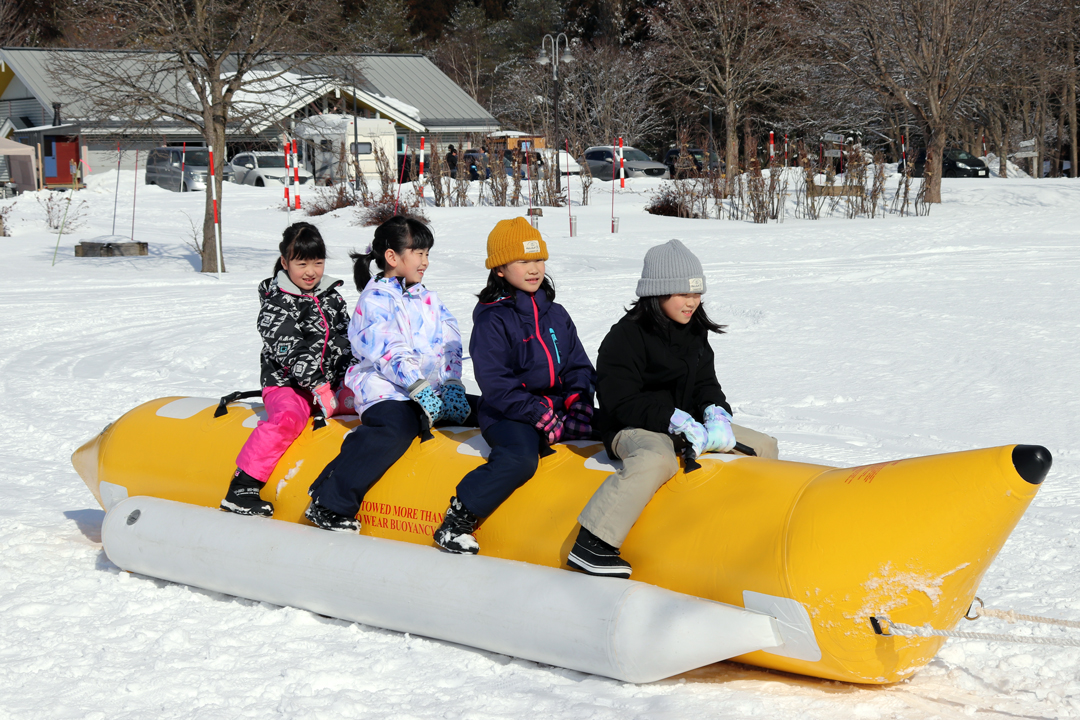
305,335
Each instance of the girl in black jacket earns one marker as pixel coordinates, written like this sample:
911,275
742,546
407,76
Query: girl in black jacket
657,390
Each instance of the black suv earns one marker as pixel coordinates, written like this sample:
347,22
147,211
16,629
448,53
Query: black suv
955,163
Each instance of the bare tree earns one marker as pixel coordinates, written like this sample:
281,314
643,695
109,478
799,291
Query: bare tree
471,49
201,63
924,54
12,27
735,47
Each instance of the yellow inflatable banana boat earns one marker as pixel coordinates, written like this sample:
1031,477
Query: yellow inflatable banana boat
821,549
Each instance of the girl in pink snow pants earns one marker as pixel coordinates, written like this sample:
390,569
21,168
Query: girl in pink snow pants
304,323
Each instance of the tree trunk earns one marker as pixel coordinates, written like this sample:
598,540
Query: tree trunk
731,153
214,135
1070,101
749,152
935,151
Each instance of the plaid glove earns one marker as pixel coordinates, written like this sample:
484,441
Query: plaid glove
578,420
455,406
551,425
718,428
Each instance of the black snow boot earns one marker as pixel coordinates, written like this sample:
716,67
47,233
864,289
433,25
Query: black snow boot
456,532
594,556
327,519
243,496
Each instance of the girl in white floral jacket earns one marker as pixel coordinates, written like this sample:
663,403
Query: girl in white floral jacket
408,374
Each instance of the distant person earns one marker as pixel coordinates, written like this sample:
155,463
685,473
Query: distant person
535,379
451,161
658,394
305,355
408,377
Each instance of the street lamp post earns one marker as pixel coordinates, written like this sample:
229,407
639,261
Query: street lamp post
554,59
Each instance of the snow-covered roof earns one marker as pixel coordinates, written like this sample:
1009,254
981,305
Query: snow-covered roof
406,88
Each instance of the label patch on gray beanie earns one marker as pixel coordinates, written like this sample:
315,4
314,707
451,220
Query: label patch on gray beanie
697,285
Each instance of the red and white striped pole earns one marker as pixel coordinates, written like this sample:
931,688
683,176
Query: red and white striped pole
288,185
296,175
622,166
903,151
785,150
183,164
984,144
217,220
421,167
772,147
569,212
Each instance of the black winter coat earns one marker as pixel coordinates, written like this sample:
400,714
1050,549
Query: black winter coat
642,376
305,335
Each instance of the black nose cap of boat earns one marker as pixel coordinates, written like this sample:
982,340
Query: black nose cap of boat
1032,462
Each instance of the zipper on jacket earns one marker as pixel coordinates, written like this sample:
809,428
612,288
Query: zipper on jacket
540,339
555,344
326,333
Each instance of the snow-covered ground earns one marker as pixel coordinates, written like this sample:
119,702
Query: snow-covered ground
852,341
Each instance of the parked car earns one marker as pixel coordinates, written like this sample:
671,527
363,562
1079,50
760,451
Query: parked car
602,158
177,169
263,168
954,163
699,157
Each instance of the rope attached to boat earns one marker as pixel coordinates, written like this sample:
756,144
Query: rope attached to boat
884,626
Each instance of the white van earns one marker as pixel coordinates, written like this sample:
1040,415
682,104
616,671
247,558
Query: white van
327,140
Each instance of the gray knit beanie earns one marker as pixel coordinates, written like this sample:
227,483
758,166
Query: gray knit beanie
670,269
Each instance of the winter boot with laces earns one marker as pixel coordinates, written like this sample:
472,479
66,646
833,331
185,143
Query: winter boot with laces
594,556
327,519
243,496
456,532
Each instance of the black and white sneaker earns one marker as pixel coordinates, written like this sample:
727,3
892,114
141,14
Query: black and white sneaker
243,496
329,520
594,556
456,532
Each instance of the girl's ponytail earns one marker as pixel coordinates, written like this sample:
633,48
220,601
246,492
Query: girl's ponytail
362,267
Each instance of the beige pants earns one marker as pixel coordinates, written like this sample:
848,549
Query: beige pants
648,462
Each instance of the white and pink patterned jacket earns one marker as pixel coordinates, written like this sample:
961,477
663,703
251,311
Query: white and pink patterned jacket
400,335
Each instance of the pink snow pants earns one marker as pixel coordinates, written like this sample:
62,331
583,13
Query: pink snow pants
287,412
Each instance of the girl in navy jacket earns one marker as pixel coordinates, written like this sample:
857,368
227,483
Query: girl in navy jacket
535,379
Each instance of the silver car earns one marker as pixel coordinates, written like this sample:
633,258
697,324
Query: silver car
603,161
178,170
263,168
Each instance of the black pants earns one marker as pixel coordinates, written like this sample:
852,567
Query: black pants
515,453
387,430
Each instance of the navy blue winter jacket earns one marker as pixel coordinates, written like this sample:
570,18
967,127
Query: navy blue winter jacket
525,353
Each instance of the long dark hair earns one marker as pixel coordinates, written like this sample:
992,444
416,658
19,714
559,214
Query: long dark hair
300,241
497,287
647,312
399,234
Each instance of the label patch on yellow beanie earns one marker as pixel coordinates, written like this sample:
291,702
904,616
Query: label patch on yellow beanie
531,246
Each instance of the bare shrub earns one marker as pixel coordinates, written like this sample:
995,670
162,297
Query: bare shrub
499,183
61,212
436,175
586,176
387,177
329,199
757,193
459,194
379,213
668,200
515,166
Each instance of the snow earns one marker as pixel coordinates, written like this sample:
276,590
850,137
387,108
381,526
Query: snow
852,341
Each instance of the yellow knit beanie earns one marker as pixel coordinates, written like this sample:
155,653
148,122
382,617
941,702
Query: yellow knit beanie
514,240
